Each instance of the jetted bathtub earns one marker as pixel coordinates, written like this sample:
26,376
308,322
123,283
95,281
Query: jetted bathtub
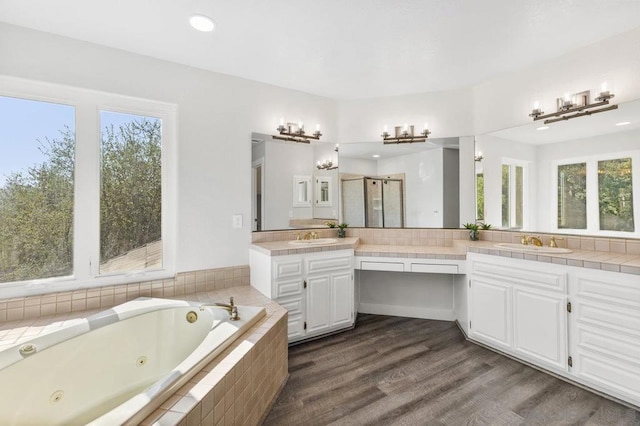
114,367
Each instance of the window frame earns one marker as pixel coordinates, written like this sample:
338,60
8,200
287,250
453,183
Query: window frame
86,211
513,163
593,202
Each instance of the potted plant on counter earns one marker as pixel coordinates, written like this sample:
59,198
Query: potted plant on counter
342,232
474,229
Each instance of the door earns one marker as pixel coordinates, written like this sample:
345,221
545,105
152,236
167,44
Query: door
540,327
318,297
257,190
491,312
342,299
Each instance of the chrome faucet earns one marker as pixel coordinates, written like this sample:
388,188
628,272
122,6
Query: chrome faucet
231,308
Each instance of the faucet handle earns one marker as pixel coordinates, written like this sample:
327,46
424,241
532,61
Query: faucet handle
524,239
552,241
231,301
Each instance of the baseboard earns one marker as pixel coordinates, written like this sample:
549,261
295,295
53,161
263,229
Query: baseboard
407,311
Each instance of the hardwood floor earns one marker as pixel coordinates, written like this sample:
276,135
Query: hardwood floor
405,371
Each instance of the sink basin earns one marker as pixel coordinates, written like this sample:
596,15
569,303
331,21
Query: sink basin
319,241
532,249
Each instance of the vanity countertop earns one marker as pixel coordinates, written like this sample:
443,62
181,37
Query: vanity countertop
607,261
281,248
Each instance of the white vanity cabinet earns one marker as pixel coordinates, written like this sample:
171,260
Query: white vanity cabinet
316,289
520,308
605,331
580,323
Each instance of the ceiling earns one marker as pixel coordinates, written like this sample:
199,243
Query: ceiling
336,48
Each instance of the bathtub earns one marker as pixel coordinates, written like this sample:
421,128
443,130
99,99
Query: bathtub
115,367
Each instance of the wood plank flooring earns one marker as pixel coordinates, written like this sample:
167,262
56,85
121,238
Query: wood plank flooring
405,371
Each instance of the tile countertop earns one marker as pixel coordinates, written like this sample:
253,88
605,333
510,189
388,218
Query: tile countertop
607,261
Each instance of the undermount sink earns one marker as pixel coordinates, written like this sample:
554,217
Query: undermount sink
315,242
533,249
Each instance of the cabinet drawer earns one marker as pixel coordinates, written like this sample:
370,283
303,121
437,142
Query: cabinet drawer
519,273
292,305
434,268
287,268
328,264
382,266
288,288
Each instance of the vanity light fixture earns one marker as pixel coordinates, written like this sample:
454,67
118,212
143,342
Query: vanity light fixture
405,134
574,106
326,165
478,157
293,132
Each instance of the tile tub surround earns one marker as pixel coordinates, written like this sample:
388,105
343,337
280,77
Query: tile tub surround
100,298
237,387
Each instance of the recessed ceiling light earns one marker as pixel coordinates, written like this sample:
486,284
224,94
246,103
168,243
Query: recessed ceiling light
543,128
623,123
376,155
202,23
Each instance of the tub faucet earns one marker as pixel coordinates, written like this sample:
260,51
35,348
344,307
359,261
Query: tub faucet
231,308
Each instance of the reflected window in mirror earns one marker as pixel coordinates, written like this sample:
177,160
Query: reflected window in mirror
480,196
597,194
323,191
513,194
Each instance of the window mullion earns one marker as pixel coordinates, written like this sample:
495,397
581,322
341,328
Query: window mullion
87,192
593,208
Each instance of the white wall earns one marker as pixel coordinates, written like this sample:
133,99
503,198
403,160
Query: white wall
506,101
216,115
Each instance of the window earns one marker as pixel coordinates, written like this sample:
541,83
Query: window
513,194
83,205
37,143
615,195
130,192
479,196
572,196
596,194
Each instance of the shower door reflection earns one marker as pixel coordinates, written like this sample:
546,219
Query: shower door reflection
373,202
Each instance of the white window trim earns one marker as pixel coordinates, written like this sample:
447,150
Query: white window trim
86,229
593,208
513,163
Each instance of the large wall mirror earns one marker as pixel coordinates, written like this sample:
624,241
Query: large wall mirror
580,176
288,189
376,185
400,185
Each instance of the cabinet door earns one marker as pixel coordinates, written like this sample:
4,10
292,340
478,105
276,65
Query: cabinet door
540,327
490,303
318,298
342,299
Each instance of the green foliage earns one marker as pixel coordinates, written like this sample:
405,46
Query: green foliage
480,196
130,196
615,195
36,215
572,196
36,205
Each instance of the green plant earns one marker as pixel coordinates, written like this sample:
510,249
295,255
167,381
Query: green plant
330,224
343,225
472,226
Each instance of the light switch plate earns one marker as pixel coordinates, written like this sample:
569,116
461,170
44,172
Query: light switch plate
237,221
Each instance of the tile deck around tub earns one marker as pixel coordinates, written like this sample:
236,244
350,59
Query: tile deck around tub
258,357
